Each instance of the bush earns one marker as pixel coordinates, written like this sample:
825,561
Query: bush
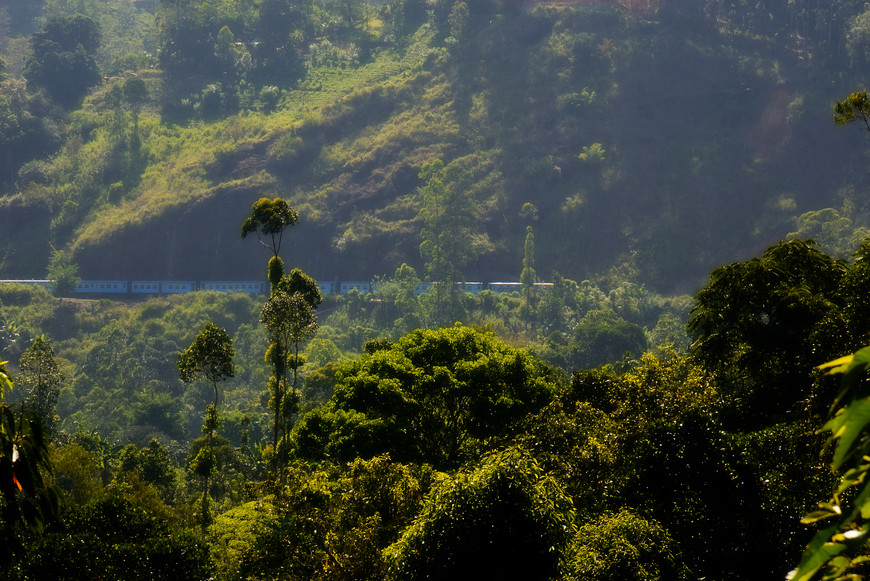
505,520
625,547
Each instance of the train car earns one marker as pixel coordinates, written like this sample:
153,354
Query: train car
326,288
151,287
169,287
363,287
505,287
472,287
248,286
101,287
155,287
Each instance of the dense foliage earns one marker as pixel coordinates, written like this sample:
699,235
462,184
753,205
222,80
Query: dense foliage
506,518
590,429
64,59
436,396
647,468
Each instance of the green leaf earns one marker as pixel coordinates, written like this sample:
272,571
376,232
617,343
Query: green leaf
819,551
5,381
840,364
862,502
847,427
818,515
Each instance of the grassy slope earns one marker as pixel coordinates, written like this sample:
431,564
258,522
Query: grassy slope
339,123
184,156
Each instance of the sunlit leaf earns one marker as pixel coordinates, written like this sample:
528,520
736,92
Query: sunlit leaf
817,516
850,425
818,553
840,364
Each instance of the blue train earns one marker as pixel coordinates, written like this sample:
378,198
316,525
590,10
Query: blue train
152,287
168,287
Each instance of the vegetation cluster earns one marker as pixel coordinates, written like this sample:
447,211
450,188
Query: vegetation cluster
603,429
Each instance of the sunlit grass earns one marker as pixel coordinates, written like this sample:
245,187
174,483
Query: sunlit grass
179,155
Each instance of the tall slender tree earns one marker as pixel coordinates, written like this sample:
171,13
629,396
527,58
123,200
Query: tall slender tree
528,277
268,220
288,315
290,320
209,357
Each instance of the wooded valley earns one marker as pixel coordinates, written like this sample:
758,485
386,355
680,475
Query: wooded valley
686,400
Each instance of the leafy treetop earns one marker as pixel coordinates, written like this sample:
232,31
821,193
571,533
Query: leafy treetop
762,325
64,58
299,282
505,520
269,219
855,107
209,356
432,396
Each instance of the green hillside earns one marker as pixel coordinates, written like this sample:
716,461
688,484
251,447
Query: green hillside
655,144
